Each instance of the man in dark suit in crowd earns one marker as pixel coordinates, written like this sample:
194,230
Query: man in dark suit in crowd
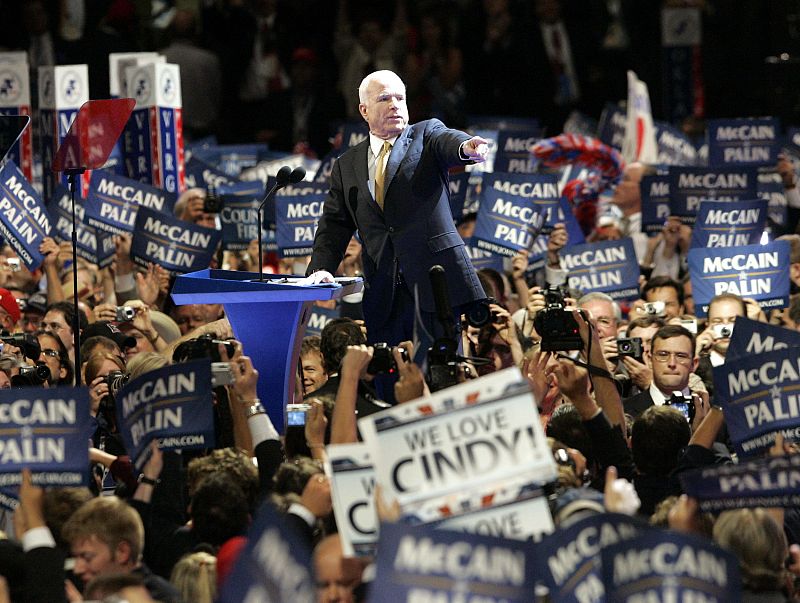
393,189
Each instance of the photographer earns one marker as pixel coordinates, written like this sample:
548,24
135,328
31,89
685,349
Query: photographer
134,320
54,356
98,368
498,341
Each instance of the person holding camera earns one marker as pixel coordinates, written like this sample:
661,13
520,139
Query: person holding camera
712,343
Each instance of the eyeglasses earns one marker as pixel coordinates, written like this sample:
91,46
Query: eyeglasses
680,357
51,353
54,326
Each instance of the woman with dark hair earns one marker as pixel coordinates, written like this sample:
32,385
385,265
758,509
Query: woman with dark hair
54,354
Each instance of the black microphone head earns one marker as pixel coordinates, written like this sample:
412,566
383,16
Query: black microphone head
283,175
436,269
297,174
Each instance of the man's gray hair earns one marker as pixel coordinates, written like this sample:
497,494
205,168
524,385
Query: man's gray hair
602,297
362,88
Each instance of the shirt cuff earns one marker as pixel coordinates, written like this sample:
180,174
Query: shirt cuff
793,197
555,276
37,538
302,513
261,429
124,282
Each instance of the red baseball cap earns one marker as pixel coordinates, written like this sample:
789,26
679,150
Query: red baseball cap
9,303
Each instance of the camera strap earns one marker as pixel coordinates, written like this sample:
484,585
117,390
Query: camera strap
593,370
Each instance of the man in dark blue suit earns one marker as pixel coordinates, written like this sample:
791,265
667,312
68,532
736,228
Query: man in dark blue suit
393,189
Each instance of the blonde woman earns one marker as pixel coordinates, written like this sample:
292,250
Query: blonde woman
195,577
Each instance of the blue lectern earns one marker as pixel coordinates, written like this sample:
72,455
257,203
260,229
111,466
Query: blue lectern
269,317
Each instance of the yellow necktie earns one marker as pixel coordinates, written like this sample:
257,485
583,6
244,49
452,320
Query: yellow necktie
380,171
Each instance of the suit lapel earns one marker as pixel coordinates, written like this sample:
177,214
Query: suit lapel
396,157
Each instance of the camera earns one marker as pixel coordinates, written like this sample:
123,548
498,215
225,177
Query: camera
443,365
26,342
205,346
556,325
479,314
655,308
296,414
722,331
124,314
115,381
31,376
630,347
685,404
212,204
221,374
383,359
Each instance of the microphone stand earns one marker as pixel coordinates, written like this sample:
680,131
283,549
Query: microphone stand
72,175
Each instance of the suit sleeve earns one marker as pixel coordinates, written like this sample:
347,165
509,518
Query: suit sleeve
336,226
446,144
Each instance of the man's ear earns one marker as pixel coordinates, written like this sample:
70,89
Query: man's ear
122,554
362,108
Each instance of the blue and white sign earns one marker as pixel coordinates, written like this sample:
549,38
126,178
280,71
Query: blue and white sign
24,221
172,404
759,397
239,218
613,123
354,133
318,318
608,267
689,186
750,141
753,337
93,245
760,272
662,565
655,202
45,430
729,223
203,175
323,173
231,158
457,187
112,201
514,152
297,219
770,187
765,482
674,147
492,570
481,258
568,560
171,243
352,491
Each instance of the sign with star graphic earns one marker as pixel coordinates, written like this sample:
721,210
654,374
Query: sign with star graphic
729,223
750,141
607,266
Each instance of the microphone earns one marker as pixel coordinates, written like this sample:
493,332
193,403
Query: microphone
284,176
441,299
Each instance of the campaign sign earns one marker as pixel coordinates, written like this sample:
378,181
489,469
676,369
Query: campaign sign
461,438
171,243
513,211
729,223
770,187
662,565
689,186
113,201
352,489
753,337
613,122
24,221
608,266
45,430
231,158
760,272
97,247
751,141
655,202
203,175
759,396
275,565
323,173
765,482
674,147
457,187
482,258
296,222
9,498
172,404
239,218
417,564
537,253
354,133
318,318
568,560
514,152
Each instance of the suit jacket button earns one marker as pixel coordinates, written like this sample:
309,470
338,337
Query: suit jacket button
391,229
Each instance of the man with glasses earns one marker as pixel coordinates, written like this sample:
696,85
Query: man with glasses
672,360
58,321
604,314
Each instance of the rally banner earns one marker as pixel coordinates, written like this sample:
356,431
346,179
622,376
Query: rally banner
113,201
9,499
171,243
513,211
514,152
231,158
608,266
45,430
663,565
759,397
612,126
24,221
770,187
639,143
537,254
318,318
297,217
689,186
353,133
457,186
462,438
655,202
172,404
93,245
753,337
751,141
674,147
568,560
274,566
352,491
203,175
765,482
239,219
760,272
422,564
323,173
729,223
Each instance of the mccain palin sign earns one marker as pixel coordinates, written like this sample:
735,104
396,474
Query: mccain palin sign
747,141
24,221
689,186
608,267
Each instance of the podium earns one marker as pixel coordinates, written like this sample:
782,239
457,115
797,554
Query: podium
269,317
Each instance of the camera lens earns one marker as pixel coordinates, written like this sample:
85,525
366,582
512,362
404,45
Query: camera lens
624,346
